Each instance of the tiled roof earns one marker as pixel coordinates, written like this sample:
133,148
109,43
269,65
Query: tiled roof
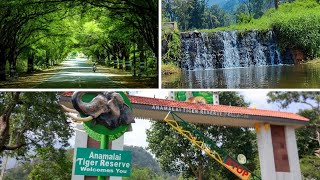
218,108
67,93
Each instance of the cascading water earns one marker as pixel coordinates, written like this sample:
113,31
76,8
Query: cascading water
231,52
229,49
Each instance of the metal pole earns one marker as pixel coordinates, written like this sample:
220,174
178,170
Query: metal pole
103,145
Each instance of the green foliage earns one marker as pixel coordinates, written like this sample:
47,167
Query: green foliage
19,172
177,154
35,119
52,164
194,14
142,158
37,35
307,137
142,174
300,31
48,163
296,24
244,18
170,68
310,167
172,46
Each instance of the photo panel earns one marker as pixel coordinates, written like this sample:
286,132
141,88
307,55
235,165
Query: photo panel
79,44
240,44
160,134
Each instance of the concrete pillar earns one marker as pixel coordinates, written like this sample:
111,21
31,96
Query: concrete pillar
265,149
278,152
80,141
291,141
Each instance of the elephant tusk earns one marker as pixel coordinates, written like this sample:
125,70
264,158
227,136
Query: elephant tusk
79,119
69,109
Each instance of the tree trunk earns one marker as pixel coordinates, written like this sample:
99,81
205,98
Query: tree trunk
13,64
142,58
47,60
2,66
134,61
4,131
200,176
30,64
276,4
108,59
127,61
115,62
4,122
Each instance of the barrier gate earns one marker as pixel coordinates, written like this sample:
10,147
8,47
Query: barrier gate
209,147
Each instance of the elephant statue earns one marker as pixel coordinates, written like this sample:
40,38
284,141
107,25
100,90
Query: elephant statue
107,109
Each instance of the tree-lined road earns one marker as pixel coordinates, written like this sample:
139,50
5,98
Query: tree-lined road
77,73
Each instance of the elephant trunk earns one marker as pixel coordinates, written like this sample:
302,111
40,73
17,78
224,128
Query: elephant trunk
92,108
77,102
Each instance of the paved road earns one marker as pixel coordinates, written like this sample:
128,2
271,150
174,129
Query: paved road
77,73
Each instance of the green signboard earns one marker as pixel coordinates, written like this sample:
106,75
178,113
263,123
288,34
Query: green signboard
102,162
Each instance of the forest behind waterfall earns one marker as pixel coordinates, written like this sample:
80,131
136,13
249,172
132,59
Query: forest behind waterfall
208,14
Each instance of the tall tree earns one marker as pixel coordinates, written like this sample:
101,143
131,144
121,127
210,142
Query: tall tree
19,22
143,15
276,4
31,120
26,26
197,14
310,135
51,164
177,154
47,163
182,9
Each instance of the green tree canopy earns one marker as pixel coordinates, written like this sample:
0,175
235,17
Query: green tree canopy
42,32
31,120
47,163
308,138
177,154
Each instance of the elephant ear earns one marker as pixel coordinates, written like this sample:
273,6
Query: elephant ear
126,116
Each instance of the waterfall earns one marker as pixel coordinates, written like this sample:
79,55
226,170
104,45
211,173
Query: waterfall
229,49
231,52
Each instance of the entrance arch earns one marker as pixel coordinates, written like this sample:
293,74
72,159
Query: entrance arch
278,153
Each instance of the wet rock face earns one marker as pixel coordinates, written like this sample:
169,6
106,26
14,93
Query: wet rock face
227,49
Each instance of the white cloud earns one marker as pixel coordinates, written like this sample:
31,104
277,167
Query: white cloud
138,136
258,99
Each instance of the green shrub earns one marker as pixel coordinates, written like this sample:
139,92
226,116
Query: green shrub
297,25
170,68
172,39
